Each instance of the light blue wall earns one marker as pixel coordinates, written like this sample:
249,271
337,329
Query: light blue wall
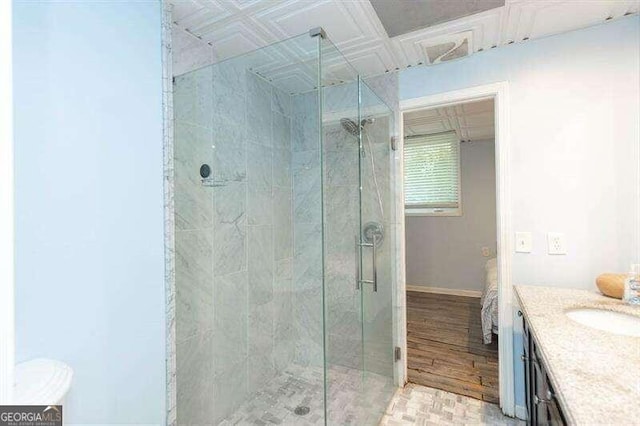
89,231
573,106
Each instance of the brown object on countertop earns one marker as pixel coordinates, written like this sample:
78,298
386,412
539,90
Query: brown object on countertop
611,285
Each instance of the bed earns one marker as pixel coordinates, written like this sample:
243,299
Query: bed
489,301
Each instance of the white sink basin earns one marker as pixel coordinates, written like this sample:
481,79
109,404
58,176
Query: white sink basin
610,321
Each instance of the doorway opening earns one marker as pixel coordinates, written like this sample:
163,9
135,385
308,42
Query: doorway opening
451,248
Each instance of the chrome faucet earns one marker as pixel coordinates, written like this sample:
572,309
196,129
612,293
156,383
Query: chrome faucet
632,286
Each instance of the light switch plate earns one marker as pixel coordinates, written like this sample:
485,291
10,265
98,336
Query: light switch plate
524,242
557,243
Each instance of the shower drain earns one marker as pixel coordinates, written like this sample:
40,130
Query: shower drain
301,410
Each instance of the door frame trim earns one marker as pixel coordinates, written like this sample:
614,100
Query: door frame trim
500,93
7,218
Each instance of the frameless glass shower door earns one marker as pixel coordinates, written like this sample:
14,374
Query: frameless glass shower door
377,252
340,114
282,241
356,132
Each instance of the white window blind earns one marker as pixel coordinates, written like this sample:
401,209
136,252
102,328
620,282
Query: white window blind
431,171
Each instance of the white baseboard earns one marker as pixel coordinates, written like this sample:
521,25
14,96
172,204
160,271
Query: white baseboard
438,290
521,412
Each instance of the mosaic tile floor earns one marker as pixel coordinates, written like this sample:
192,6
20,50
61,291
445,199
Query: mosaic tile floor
419,405
275,404
303,386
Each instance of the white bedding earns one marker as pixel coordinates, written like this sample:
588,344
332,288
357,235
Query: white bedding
489,301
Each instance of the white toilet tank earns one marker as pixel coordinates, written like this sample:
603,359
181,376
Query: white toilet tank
41,382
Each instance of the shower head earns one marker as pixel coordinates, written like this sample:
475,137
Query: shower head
350,126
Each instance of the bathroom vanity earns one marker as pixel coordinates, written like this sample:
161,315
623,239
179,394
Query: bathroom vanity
576,372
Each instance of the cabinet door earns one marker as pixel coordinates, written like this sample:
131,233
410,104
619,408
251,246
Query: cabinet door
539,390
554,416
526,359
542,405
538,408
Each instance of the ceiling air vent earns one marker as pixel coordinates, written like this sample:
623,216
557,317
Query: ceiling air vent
442,50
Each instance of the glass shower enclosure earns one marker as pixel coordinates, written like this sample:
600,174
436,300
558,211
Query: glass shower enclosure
283,272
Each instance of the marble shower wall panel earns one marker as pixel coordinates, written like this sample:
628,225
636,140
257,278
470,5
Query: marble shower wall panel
282,213
260,363
234,240
307,231
230,223
284,337
376,143
229,258
304,128
340,101
193,218
385,87
341,221
230,323
195,276
261,306
195,387
192,146
229,170
270,237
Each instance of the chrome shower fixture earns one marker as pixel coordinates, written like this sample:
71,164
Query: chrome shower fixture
353,129
350,126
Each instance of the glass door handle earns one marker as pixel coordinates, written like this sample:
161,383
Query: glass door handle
375,265
359,280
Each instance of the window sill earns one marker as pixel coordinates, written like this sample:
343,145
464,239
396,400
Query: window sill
440,212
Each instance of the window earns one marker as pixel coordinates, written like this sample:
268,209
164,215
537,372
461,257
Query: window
432,175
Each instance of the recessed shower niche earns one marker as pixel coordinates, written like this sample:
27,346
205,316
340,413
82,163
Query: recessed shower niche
283,304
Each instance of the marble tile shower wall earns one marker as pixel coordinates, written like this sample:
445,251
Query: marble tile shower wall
343,308
340,183
307,223
234,240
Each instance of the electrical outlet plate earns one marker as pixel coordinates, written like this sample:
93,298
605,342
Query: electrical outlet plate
557,243
524,242
486,251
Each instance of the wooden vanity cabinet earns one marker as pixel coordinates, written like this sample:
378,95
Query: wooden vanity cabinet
542,404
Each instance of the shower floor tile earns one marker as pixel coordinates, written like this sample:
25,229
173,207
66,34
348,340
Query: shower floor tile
304,387
276,402
413,405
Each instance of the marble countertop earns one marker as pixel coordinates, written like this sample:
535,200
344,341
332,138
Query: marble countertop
595,374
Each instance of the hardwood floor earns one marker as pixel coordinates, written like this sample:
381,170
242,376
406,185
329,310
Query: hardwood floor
445,349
